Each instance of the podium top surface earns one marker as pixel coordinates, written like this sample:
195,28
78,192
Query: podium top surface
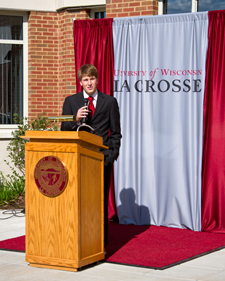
81,136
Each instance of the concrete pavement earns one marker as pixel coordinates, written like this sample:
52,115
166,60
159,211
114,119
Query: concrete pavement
13,267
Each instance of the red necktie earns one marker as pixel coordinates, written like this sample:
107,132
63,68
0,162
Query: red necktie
91,107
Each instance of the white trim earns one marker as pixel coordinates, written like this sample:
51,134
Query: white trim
47,5
16,42
160,7
6,133
194,6
25,65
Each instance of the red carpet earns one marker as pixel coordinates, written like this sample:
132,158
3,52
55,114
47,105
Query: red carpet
158,247
14,244
148,246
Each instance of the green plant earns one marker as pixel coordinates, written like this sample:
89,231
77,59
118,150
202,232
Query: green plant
11,187
16,146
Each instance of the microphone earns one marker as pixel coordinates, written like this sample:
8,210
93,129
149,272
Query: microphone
85,104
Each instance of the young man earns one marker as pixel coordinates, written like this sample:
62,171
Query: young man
105,118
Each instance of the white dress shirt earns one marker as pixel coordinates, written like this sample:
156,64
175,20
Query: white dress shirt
95,97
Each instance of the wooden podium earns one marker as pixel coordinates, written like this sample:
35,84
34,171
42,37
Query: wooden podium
65,231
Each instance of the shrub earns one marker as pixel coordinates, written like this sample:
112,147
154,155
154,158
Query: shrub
16,146
12,186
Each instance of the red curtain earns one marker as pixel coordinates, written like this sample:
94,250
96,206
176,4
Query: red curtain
213,169
93,43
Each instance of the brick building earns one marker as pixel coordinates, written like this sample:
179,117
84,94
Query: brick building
37,51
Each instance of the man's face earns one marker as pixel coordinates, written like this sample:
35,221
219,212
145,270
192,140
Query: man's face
89,84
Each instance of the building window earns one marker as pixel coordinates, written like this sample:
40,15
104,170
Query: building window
187,6
11,68
176,6
210,5
98,12
100,15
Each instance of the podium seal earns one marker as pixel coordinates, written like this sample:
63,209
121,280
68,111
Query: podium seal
50,176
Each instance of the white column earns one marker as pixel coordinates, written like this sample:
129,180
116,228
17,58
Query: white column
194,6
160,7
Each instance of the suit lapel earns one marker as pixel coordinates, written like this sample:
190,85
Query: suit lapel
80,99
100,103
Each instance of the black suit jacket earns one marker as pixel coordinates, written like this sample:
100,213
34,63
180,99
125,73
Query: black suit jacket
106,117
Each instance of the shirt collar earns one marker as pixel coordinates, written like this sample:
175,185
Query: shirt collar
95,95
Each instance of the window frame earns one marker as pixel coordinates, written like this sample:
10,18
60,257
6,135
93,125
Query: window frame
97,9
194,6
7,129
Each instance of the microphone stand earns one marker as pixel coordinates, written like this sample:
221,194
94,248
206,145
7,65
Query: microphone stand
85,125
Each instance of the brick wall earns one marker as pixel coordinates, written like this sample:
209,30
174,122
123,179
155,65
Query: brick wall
51,65
131,8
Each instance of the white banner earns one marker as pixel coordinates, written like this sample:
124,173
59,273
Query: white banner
159,82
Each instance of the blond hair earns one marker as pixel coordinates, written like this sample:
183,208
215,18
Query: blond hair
87,69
